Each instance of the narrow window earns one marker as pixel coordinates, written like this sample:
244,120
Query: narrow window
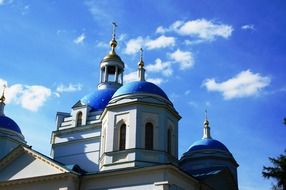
122,137
169,141
149,136
79,119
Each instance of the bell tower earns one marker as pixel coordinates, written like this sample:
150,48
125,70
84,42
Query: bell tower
77,137
111,67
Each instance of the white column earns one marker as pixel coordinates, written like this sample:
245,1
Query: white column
116,74
122,77
105,74
141,74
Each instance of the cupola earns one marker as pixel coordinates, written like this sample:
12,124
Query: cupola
209,159
111,66
10,133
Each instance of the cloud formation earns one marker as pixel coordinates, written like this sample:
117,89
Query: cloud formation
29,97
133,76
183,58
200,28
159,66
80,39
156,81
133,45
248,27
244,84
68,88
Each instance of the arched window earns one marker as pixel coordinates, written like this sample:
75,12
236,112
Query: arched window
149,136
122,137
169,141
79,119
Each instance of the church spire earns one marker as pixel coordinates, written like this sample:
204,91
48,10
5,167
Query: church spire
141,70
207,130
113,42
2,101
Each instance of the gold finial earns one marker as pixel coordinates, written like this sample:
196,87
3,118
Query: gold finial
141,62
113,42
206,123
207,130
2,99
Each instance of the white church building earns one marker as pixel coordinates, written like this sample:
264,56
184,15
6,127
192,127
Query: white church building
119,137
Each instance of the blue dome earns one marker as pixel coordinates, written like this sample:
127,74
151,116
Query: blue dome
206,144
7,123
98,99
140,87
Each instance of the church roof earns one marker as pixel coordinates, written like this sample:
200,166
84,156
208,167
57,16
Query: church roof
98,99
140,87
207,143
8,123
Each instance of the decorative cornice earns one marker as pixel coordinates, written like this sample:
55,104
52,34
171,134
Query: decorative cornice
39,179
22,149
139,100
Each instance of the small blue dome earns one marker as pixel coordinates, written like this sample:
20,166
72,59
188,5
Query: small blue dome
7,123
98,99
140,87
206,144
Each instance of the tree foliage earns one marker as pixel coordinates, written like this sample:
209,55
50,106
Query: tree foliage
277,171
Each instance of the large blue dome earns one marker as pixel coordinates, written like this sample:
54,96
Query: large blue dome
7,123
98,99
140,87
207,143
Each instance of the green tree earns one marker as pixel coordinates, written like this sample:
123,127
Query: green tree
277,171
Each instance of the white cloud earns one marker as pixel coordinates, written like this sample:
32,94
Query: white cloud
188,92
160,42
68,88
243,84
34,97
156,81
29,97
102,44
133,76
121,37
133,45
193,42
161,30
184,58
159,66
80,39
173,27
248,27
99,10
200,28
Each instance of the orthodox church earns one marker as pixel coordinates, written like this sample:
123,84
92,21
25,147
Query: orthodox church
119,137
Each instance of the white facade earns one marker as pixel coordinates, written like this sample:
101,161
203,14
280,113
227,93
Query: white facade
119,137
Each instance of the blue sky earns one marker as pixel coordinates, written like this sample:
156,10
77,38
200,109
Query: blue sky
225,56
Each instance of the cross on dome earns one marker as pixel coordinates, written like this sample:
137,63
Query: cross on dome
207,130
2,99
113,42
141,62
141,70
